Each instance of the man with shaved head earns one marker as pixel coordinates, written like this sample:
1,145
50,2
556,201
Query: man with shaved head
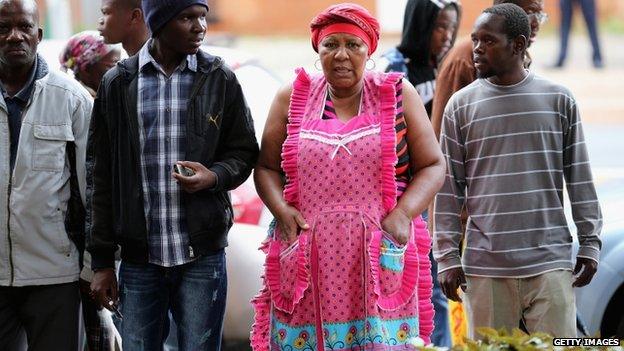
122,22
44,120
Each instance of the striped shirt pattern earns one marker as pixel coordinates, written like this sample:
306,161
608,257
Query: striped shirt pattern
508,151
162,103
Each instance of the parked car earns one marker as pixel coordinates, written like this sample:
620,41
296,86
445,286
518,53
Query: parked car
600,305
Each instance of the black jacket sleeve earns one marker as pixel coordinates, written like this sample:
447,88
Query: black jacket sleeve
100,234
237,152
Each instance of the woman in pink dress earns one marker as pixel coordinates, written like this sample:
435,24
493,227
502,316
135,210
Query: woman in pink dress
348,162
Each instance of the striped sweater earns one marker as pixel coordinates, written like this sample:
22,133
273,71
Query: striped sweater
509,150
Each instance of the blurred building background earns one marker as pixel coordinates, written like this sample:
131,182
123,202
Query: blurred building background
285,17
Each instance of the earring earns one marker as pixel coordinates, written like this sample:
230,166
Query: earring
316,65
374,64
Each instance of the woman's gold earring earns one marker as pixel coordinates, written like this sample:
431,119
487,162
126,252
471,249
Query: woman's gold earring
374,64
317,63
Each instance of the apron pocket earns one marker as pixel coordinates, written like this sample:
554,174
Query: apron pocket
287,275
394,270
391,254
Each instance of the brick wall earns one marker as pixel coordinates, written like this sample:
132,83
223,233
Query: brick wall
291,17
261,17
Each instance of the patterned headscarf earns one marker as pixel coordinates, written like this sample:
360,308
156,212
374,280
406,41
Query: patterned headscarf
82,50
346,18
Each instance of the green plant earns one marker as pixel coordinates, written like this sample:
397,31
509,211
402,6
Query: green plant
517,340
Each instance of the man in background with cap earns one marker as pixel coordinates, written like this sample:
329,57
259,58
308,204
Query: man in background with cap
170,102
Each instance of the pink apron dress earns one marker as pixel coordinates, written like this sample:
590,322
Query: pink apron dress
344,284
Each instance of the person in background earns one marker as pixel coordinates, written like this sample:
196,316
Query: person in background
123,22
88,58
429,31
45,119
588,7
458,70
512,141
347,264
182,137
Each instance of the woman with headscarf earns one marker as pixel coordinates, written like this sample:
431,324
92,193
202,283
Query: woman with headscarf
429,32
88,57
348,162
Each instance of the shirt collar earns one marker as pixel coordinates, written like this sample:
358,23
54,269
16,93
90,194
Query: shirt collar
145,58
24,94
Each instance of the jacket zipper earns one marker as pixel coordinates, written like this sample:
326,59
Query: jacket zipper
12,273
11,266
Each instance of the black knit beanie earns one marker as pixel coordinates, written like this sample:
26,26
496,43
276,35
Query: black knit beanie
158,12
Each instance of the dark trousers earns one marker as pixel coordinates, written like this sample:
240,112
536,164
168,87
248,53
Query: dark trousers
194,293
49,314
588,7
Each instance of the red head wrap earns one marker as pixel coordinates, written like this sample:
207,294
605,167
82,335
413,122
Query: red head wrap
346,18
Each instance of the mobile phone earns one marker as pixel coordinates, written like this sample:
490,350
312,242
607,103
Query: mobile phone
185,171
115,309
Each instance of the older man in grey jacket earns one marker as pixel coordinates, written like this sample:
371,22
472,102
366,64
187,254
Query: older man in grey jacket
44,120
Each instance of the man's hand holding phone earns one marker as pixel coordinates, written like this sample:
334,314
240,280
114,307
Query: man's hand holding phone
193,176
104,289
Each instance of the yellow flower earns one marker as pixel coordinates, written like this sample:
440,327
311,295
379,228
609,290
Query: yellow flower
299,343
402,335
349,338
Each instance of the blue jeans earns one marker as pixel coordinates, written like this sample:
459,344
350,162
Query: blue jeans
588,7
194,293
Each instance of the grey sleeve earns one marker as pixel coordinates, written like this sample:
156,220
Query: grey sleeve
577,173
80,126
447,231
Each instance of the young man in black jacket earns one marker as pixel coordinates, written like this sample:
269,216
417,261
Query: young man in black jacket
168,103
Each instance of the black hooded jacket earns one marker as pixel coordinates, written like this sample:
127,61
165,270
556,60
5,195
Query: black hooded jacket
415,47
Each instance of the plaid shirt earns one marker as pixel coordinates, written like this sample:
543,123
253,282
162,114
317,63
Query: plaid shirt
162,103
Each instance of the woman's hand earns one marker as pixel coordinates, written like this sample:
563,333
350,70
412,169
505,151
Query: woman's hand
289,221
398,224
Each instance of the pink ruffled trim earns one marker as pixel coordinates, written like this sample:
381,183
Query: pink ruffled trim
260,330
290,148
425,282
273,275
409,278
388,140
